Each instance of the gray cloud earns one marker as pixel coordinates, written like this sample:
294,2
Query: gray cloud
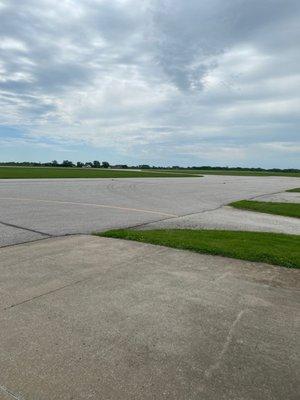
161,79
189,33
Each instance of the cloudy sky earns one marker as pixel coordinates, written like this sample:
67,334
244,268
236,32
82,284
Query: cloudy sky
188,82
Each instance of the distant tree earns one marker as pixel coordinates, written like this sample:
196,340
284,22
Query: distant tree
79,164
144,166
96,164
67,163
120,166
54,163
105,164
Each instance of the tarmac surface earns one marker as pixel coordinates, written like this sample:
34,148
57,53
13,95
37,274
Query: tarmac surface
284,197
84,317
232,219
36,209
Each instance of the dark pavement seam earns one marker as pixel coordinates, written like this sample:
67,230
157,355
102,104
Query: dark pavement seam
10,393
25,229
45,294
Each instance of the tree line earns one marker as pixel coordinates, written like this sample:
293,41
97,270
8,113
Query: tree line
54,163
106,164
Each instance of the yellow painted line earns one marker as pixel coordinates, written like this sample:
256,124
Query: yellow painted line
91,205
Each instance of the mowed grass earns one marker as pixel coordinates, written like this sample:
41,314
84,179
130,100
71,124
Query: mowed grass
285,209
44,172
236,173
271,248
297,190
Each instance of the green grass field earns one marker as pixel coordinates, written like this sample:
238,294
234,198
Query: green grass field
285,209
271,248
52,172
294,190
236,173
59,172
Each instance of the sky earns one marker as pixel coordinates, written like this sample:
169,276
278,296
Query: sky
160,82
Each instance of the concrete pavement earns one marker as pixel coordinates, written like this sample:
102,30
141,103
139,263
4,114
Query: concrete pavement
283,197
84,317
232,219
32,209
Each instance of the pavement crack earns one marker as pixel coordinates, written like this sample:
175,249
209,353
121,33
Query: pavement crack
204,211
148,223
264,195
25,229
10,393
209,372
175,217
45,294
29,241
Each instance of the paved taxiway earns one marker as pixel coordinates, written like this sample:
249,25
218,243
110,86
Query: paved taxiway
33,209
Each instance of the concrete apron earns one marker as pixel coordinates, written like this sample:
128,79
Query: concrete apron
94,318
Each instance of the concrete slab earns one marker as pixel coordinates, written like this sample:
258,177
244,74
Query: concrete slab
96,318
232,219
284,197
59,207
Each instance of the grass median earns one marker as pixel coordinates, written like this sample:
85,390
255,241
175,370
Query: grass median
271,248
230,172
295,190
285,209
52,172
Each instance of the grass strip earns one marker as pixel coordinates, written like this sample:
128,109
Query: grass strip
270,248
285,209
294,190
49,173
236,173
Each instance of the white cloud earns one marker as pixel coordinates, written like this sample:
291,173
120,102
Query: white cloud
158,79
